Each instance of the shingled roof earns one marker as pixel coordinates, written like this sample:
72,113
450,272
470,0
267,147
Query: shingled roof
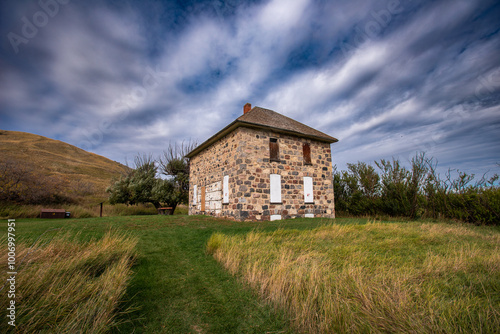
266,119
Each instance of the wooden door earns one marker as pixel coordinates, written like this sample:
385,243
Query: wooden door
203,199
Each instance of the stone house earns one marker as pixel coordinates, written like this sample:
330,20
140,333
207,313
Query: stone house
263,166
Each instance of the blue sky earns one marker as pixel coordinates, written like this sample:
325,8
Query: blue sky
387,78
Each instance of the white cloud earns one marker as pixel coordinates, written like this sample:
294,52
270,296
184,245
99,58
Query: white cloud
394,93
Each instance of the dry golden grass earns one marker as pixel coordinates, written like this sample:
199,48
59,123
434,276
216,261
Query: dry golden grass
81,169
81,210
378,277
67,286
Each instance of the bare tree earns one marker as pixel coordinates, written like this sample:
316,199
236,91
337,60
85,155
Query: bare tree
174,161
141,160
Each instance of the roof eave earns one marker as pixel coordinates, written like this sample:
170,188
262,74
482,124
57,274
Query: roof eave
290,132
237,123
229,128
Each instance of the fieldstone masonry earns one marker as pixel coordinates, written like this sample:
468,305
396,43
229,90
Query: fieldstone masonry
244,155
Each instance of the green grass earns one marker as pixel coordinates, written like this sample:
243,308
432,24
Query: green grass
378,277
177,287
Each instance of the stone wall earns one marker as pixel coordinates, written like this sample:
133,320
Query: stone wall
207,170
244,156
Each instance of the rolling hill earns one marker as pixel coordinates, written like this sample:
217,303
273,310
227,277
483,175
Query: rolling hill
55,159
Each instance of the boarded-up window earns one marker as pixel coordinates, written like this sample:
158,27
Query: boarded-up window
308,190
195,193
274,150
203,193
275,188
306,148
225,189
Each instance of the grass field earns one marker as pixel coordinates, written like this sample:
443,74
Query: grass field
68,286
377,277
177,287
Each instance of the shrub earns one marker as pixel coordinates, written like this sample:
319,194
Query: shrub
415,192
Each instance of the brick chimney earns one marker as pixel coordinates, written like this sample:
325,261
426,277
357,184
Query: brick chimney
247,108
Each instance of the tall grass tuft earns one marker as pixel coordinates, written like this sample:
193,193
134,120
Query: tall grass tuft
374,278
66,286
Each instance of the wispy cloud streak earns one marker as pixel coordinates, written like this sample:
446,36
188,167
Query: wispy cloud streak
387,78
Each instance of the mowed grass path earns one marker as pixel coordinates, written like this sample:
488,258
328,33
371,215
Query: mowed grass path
177,287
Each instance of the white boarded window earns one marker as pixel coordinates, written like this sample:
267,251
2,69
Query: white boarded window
225,189
308,189
275,188
195,193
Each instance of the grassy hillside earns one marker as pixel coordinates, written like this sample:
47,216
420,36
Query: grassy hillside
54,158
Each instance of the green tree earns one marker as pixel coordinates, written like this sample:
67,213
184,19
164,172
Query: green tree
364,183
119,191
167,192
394,195
137,186
415,183
175,166
344,187
143,184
